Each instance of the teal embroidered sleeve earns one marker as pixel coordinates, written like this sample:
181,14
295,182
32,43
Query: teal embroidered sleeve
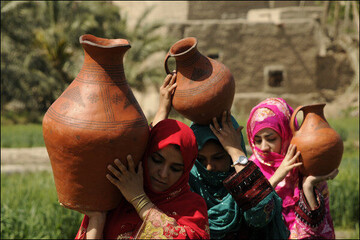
263,213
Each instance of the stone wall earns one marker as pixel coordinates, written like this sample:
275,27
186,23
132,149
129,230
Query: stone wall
163,11
252,50
234,9
275,52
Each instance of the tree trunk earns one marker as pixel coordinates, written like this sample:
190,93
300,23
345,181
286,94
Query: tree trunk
337,19
347,15
325,17
271,4
356,16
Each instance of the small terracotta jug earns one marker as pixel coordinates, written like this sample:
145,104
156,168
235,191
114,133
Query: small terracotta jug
95,120
205,87
320,146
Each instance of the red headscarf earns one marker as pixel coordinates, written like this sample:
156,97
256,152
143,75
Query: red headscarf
188,208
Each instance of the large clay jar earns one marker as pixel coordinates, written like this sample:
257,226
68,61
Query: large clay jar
320,146
95,120
205,87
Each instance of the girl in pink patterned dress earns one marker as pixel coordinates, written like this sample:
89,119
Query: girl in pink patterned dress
305,198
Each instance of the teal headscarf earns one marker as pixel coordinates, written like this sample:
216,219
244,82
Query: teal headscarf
224,214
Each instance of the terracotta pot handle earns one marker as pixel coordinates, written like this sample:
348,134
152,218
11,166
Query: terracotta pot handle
165,63
293,117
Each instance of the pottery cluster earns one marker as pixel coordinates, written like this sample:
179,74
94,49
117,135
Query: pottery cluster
97,119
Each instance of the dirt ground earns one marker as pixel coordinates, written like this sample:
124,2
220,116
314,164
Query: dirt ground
24,159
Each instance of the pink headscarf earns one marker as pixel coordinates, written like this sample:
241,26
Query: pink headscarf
275,113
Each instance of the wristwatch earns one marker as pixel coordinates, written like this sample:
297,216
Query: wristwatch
242,160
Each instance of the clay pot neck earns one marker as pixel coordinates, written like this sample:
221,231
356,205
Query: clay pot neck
317,109
184,49
103,51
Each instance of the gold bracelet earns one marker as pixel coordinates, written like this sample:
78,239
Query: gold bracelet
142,202
137,197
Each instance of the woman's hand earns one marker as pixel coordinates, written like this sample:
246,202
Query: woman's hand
166,93
308,186
229,137
311,181
288,163
129,182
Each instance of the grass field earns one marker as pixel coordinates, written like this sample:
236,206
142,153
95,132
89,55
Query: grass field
17,136
30,210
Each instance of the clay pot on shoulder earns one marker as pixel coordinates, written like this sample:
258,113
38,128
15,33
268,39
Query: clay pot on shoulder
95,120
205,87
320,146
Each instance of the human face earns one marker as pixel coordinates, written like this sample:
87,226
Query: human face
214,158
268,140
165,167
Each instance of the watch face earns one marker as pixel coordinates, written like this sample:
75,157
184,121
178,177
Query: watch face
243,160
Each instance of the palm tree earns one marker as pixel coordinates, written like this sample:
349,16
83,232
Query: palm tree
42,56
146,42
41,53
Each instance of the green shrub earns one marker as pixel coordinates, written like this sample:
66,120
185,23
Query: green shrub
30,209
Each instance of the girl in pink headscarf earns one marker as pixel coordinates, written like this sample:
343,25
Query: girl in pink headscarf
305,198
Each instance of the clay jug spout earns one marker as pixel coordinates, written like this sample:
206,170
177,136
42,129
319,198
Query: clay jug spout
186,54
317,109
102,50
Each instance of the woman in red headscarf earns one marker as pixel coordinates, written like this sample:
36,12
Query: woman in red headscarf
158,201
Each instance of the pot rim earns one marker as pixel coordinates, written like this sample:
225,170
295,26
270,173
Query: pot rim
86,39
188,50
314,105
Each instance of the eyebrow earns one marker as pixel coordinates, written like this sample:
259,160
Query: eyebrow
267,135
219,153
158,154
178,164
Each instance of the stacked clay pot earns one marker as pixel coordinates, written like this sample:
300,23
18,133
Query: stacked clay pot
205,87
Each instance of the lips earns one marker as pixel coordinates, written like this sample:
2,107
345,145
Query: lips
158,181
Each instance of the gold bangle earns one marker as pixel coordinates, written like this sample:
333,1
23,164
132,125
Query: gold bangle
142,202
137,197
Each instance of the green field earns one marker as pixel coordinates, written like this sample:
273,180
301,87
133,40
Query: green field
18,136
29,206
30,210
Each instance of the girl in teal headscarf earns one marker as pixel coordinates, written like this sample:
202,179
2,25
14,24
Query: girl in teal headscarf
241,202
224,214
254,212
